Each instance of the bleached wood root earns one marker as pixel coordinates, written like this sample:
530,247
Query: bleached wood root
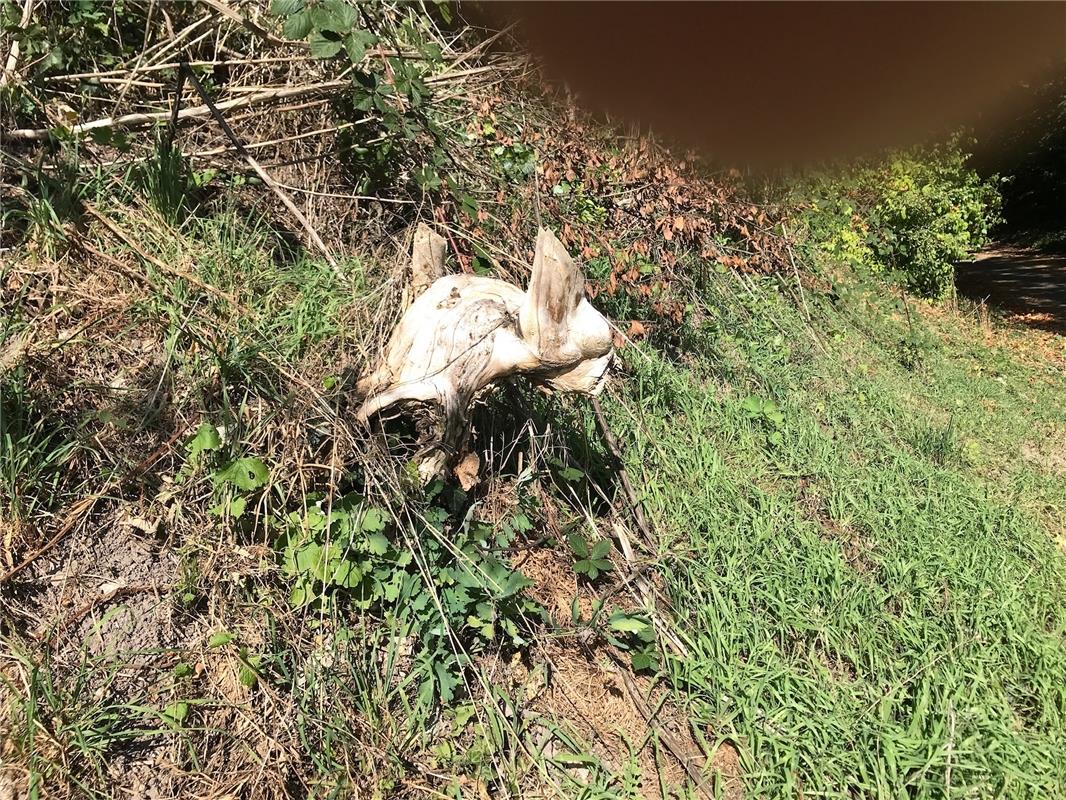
464,332
427,262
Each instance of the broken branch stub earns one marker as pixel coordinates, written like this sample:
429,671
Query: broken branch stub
427,259
465,331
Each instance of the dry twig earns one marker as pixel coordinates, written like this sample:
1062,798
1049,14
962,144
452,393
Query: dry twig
263,174
138,119
627,484
13,54
693,763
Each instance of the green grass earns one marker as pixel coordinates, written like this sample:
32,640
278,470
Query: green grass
860,554
872,599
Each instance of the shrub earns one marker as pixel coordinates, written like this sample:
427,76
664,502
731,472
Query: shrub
911,216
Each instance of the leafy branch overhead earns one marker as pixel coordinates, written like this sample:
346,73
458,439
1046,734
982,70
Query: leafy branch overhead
389,87
328,26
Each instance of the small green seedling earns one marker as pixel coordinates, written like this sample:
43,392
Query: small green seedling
637,635
591,560
766,413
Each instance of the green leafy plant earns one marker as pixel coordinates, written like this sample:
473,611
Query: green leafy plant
35,451
236,480
167,181
340,547
636,635
579,205
591,558
48,204
456,590
765,412
911,216
516,161
939,443
397,138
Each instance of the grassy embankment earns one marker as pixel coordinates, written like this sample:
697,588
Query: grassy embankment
858,507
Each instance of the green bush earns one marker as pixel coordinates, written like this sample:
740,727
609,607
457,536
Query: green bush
911,216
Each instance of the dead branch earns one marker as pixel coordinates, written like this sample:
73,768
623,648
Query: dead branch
140,70
427,259
250,25
693,763
627,484
13,53
138,119
262,173
214,151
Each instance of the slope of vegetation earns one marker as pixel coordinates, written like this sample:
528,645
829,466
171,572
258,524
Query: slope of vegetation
844,572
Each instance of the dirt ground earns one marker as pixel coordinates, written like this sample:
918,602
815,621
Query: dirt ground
618,713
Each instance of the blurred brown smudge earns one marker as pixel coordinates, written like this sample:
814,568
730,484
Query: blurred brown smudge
771,84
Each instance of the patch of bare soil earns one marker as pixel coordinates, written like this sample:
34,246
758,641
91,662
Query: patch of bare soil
621,716
98,613
1049,455
105,594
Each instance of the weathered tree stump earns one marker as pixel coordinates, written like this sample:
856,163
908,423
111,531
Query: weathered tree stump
464,332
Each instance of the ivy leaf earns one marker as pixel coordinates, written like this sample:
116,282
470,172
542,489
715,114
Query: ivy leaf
321,47
244,473
220,639
297,26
